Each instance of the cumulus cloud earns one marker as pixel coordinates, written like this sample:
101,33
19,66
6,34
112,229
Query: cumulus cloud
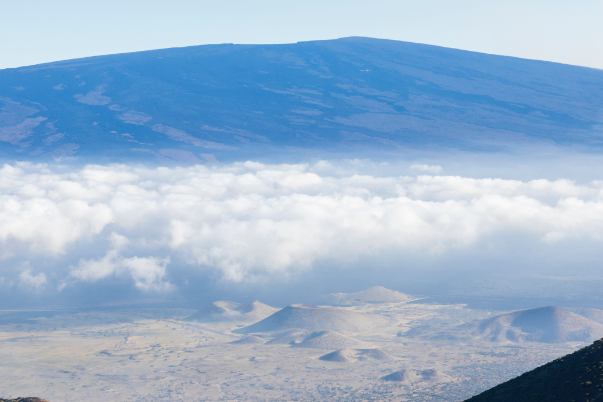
147,272
427,168
29,280
249,220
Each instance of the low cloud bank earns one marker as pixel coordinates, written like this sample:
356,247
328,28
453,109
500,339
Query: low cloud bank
250,221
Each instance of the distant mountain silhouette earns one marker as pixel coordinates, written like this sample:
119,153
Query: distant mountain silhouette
230,311
545,324
311,318
376,294
359,96
575,377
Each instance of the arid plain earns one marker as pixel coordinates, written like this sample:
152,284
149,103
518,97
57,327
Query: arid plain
373,345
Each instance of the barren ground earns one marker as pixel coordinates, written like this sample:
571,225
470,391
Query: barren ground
152,355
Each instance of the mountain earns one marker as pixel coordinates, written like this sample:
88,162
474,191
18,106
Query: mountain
311,318
355,95
575,377
231,311
376,294
544,324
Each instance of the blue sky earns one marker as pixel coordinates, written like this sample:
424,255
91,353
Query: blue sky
37,31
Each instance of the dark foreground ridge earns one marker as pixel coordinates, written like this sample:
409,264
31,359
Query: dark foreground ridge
576,377
29,399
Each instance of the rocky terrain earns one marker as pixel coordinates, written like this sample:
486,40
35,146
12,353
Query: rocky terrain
382,351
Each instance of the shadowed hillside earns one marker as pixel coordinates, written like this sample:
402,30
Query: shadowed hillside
576,377
352,95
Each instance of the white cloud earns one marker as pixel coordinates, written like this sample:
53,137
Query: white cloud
27,279
147,272
251,220
427,168
93,270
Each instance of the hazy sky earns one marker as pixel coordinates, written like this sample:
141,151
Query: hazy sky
37,31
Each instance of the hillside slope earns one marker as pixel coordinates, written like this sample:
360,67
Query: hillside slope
545,324
576,377
312,318
355,95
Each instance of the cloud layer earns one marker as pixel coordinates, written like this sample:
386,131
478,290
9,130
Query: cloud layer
249,220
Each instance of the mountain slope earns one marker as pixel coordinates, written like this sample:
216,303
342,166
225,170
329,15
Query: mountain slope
311,318
352,95
575,377
545,324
